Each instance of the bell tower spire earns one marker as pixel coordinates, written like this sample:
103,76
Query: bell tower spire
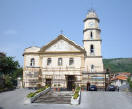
92,42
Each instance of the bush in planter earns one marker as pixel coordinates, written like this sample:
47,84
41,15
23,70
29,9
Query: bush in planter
78,88
39,90
31,95
76,91
75,95
73,86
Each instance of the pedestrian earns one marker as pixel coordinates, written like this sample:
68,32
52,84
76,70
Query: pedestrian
118,88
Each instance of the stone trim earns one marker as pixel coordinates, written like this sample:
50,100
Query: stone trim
93,40
91,29
31,67
62,52
91,18
30,100
33,53
63,38
86,73
59,52
93,57
76,101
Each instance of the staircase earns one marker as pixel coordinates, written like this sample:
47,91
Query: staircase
52,97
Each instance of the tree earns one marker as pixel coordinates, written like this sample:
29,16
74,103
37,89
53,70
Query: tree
8,65
10,70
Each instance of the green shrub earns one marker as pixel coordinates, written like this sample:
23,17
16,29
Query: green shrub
76,91
31,95
8,82
78,88
39,90
75,95
130,84
129,79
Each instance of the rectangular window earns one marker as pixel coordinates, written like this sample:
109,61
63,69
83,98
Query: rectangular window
59,61
71,61
48,61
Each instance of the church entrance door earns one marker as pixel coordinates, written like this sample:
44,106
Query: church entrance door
48,82
70,82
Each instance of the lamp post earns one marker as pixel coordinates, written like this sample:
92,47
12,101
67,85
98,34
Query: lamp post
107,72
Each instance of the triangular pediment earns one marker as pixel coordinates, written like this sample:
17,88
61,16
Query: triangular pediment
62,44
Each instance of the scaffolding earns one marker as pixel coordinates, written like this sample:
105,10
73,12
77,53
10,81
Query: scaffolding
36,77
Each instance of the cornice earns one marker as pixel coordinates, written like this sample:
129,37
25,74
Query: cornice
61,37
54,52
63,52
92,29
90,19
93,56
93,40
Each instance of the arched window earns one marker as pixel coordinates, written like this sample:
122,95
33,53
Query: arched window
91,35
59,61
91,49
92,68
48,61
71,61
32,62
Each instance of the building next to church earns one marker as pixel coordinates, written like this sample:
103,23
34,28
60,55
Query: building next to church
63,63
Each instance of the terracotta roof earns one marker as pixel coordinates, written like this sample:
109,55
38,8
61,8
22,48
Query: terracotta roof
120,77
125,73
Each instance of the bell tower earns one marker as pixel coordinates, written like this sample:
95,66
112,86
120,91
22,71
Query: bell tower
92,43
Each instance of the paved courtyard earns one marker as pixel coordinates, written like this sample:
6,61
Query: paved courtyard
90,100
52,97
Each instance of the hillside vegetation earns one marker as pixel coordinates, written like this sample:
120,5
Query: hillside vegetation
118,64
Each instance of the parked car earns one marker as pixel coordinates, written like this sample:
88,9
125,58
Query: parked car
111,88
93,88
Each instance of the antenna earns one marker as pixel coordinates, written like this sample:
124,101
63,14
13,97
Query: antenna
92,4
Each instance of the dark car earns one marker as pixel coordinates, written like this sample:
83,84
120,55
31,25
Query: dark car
93,88
111,88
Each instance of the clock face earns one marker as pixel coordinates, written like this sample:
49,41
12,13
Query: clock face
91,24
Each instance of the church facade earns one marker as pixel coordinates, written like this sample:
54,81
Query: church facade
63,63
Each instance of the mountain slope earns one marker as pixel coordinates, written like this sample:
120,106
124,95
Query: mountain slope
118,64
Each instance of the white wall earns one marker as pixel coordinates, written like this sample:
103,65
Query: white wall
97,62
97,47
54,63
62,45
86,24
27,60
32,49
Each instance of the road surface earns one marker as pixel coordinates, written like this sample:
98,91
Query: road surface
89,100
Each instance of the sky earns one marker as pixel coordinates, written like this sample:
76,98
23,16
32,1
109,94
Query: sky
25,23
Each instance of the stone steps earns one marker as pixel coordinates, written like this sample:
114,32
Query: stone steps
62,97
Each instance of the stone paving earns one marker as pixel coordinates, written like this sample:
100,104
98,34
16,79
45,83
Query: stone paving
89,100
52,97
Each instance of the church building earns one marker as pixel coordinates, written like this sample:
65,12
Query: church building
64,64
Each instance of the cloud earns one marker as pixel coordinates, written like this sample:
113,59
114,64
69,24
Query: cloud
10,32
